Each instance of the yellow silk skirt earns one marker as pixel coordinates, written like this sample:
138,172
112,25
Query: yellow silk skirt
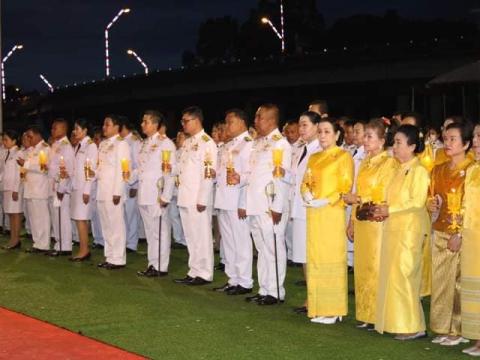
326,262
367,245
399,310
427,257
445,313
470,284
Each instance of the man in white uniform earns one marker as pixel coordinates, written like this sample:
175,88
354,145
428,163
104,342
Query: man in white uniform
62,159
36,190
132,214
267,205
195,176
234,230
155,188
113,159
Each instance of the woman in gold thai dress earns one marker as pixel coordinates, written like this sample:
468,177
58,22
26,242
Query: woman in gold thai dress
399,310
444,204
329,174
470,269
374,176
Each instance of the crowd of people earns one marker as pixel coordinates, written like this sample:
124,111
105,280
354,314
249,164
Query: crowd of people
393,204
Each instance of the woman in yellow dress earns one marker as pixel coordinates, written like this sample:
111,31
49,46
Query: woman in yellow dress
470,269
329,174
374,176
446,192
399,310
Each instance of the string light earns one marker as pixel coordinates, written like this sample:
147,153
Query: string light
44,79
107,49
4,60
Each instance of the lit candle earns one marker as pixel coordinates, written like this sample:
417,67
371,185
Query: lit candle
166,154
277,158
125,165
42,158
230,160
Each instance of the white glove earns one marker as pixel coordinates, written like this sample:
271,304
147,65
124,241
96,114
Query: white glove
316,203
307,196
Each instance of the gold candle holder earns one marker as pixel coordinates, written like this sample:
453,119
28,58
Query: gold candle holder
87,168
125,169
230,169
208,165
277,158
166,155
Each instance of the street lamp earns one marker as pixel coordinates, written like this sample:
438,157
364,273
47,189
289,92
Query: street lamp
10,53
280,34
139,59
44,79
107,51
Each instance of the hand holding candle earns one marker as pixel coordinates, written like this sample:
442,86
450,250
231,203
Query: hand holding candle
208,165
42,161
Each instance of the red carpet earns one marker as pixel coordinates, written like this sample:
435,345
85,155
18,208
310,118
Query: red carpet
22,337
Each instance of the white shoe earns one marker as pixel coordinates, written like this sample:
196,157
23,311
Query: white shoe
454,342
439,339
317,320
470,349
475,353
419,335
329,320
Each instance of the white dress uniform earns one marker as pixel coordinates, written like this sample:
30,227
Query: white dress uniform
60,209
297,148
36,191
258,206
96,225
110,183
154,185
173,212
132,214
298,209
24,154
235,232
11,183
195,189
358,155
3,154
86,149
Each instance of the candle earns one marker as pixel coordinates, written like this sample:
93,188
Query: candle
42,158
62,161
125,165
230,160
166,154
277,157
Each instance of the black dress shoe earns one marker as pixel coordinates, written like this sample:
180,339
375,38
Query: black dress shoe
254,298
34,250
55,253
178,246
151,272
269,300
198,281
290,263
130,251
97,246
239,290
110,266
220,267
102,265
185,280
75,243
224,288
18,245
81,258
300,310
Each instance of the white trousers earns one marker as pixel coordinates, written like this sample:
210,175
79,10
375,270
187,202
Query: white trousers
132,216
262,229
176,222
113,228
198,235
237,247
96,225
289,239
151,220
299,248
61,218
26,216
39,217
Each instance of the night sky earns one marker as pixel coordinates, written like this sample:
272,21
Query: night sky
64,39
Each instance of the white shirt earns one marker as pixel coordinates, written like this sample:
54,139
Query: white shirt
227,197
37,183
193,187
11,170
260,174
86,149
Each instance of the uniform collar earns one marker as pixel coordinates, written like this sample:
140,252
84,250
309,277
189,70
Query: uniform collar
241,136
198,135
272,134
59,141
85,140
315,144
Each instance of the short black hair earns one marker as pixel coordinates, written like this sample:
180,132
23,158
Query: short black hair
157,117
238,113
83,123
125,123
116,120
348,123
312,116
194,111
412,133
34,129
466,132
12,134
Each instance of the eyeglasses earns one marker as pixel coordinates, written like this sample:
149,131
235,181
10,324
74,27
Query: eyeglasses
184,121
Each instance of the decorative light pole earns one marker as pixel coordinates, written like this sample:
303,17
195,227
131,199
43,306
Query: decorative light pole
107,50
139,59
280,34
10,53
44,79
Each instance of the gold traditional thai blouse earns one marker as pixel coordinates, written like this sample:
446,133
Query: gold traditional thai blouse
329,174
374,176
449,184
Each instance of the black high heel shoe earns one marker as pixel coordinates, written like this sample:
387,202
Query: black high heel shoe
81,258
18,245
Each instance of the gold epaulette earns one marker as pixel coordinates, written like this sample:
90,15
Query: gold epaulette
120,138
45,144
90,141
65,142
247,138
205,138
276,137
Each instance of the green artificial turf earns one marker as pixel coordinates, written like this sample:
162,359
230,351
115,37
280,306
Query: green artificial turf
162,320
